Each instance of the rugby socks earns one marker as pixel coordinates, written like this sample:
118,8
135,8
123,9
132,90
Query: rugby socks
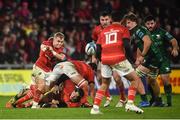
131,93
28,104
27,97
122,93
168,92
107,94
37,96
144,97
99,96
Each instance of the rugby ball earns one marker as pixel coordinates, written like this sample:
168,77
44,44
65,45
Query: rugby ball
90,48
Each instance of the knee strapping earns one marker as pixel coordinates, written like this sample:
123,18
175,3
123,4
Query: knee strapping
140,73
82,83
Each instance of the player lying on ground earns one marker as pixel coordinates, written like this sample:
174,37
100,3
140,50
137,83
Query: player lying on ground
79,72
64,95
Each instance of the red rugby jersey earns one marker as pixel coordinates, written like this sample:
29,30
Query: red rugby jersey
111,42
46,60
96,31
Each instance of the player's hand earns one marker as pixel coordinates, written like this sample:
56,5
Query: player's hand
140,60
49,48
174,52
55,89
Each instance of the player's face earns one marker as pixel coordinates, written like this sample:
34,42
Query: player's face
58,42
150,25
105,21
74,96
130,24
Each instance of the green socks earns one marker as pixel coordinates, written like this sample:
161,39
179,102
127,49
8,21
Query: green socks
168,92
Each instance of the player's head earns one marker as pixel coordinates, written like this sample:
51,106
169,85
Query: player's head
117,16
131,20
105,18
150,22
51,38
58,40
76,95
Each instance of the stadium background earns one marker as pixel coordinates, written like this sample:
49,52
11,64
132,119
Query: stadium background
26,23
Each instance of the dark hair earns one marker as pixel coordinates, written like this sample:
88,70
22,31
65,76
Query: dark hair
131,17
104,13
78,98
117,16
149,18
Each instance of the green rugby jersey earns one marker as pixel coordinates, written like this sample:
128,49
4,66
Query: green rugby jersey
137,35
161,40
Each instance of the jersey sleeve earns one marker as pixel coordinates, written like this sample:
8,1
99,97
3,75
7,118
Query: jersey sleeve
99,39
141,32
167,35
94,35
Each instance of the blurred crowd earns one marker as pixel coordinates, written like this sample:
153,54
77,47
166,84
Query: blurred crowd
26,23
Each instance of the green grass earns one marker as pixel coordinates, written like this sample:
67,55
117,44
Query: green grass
83,113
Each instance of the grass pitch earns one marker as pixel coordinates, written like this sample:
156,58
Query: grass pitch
84,113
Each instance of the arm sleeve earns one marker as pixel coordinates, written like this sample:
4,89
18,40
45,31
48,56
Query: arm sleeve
98,51
128,50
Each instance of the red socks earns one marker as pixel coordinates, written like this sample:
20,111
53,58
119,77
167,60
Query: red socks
99,96
131,93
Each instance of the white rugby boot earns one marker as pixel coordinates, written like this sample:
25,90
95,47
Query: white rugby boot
95,110
108,101
121,103
131,107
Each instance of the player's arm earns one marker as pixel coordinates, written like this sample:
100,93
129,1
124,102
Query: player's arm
98,51
129,53
44,47
175,46
59,56
138,57
147,44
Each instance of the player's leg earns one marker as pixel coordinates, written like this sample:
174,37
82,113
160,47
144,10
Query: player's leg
167,88
156,95
108,98
106,78
142,71
125,69
107,93
38,76
13,100
165,76
121,89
